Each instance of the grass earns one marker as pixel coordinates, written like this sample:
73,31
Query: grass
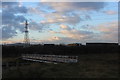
89,66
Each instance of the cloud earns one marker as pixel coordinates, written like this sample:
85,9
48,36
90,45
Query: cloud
35,26
8,32
36,10
72,6
110,12
64,27
107,32
12,16
67,31
108,27
87,17
60,40
67,12
62,19
8,4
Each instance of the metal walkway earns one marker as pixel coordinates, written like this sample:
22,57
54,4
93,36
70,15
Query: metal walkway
50,58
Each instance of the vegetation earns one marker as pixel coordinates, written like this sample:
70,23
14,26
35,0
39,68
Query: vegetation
94,62
15,51
89,66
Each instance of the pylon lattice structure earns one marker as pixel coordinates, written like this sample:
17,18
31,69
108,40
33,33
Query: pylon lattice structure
26,36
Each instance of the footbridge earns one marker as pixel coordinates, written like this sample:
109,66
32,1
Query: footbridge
50,58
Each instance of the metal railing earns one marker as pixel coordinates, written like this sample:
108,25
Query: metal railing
51,58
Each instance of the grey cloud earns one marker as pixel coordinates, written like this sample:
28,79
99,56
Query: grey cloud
68,9
35,26
110,12
10,20
89,5
17,9
7,32
73,6
62,19
8,4
75,33
7,17
20,18
87,17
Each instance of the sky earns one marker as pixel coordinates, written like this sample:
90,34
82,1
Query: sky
60,22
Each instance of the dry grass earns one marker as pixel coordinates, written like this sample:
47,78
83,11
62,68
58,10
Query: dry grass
89,66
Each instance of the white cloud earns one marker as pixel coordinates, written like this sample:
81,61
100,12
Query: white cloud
72,33
107,32
61,19
65,11
72,6
110,12
63,26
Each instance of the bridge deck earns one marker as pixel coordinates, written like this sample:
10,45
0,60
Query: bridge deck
50,58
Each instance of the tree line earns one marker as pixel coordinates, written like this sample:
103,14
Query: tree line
14,51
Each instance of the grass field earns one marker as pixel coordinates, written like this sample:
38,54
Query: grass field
89,66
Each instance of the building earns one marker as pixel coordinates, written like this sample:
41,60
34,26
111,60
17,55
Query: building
101,44
49,44
75,44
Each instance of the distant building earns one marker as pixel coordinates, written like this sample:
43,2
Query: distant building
49,44
75,44
101,44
